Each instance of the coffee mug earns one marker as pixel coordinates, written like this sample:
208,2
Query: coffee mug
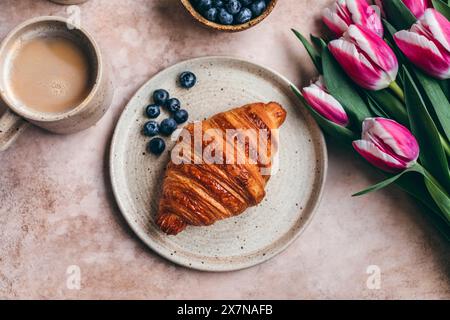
17,116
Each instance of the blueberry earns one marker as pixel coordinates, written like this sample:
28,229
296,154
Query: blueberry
173,105
258,7
218,4
211,14
168,126
244,16
225,17
160,96
204,5
188,79
151,128
181,116
246,2
233,6
156,146
152,111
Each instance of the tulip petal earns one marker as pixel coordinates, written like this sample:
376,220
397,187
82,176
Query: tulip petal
342,10
392,138
369,151
423,53
438,26
379,4
417,7
364,15
387,144
334,22
376,49
344,13
357,66
325,104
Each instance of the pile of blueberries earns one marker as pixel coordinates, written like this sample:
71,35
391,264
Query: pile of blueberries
162,99
229,12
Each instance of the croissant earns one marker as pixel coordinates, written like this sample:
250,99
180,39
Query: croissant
198,192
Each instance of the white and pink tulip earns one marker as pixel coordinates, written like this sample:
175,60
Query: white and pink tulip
344,13
366,58
427,44
325,104
417,7
387,145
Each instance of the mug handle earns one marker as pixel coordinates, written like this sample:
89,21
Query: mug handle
11,126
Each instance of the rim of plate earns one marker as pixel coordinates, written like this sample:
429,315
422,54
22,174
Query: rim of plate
160,250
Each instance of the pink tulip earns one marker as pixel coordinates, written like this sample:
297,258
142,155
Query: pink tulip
417,7
366,58
387,145
344,13
379,4
325,104
427,44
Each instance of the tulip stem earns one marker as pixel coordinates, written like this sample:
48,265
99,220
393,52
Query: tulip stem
397,90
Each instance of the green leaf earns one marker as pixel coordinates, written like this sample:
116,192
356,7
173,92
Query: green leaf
440,198
389,34
318,42
414,184
442,7
437,98
445,86
383,184
342,88
437,192
432,155
376,108
399,14
390,104
342,134
389,30
313,53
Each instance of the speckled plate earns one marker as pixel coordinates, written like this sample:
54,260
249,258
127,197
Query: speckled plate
261,232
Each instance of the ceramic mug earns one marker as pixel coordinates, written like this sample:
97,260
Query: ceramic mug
16,117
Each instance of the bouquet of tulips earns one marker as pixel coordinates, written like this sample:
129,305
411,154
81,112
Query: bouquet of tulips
384,90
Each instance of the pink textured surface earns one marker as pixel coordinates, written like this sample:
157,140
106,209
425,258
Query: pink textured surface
57,209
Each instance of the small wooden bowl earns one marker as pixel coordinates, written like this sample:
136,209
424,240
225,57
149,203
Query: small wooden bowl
227,28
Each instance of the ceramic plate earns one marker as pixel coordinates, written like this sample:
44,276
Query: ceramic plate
261,232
